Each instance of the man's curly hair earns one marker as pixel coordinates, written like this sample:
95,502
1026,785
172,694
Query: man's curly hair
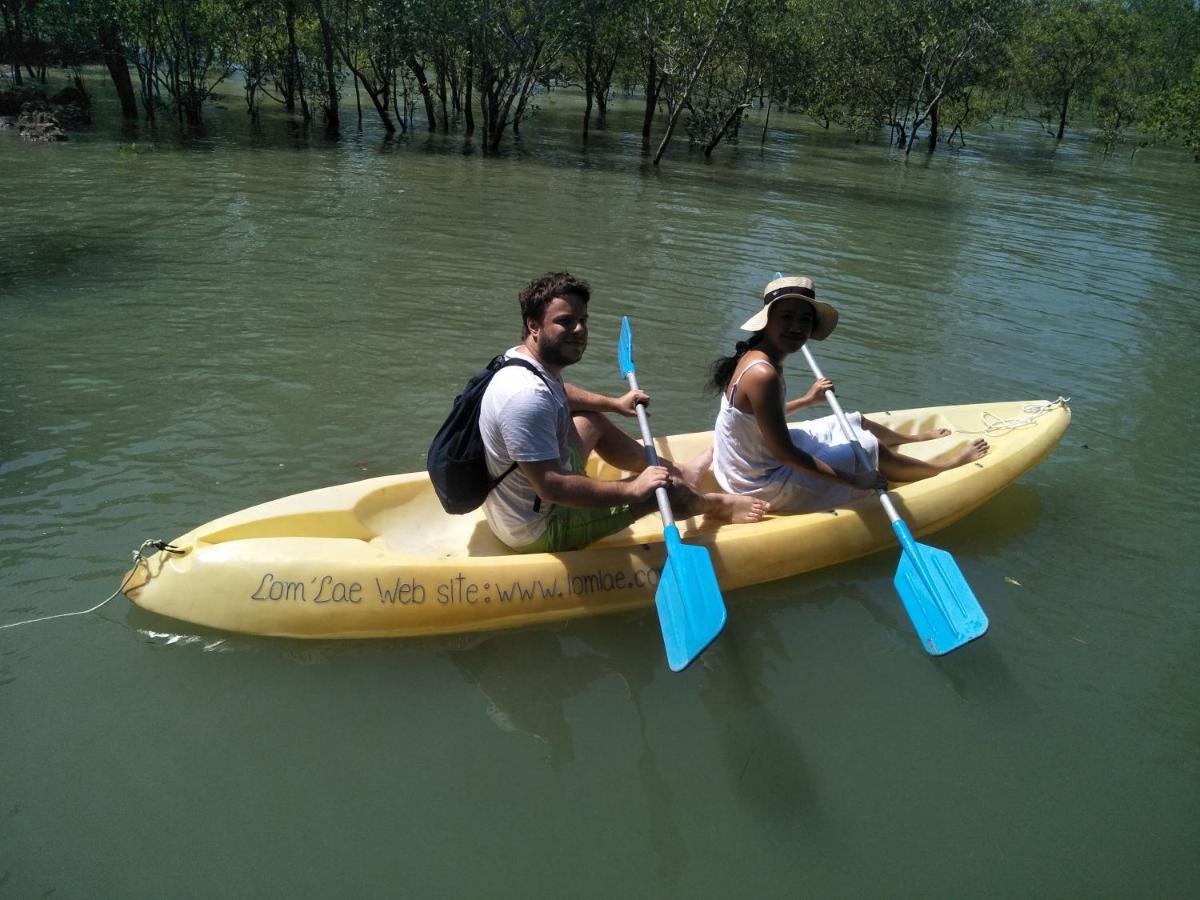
538,293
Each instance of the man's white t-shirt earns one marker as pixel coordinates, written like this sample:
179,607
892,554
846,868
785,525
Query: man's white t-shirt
522,419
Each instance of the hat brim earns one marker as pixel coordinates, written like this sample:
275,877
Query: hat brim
826,317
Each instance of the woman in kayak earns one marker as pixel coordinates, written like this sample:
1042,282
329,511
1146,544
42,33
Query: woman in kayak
807,466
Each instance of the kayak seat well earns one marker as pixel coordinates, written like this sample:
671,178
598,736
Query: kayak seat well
406,517
343,511
333,523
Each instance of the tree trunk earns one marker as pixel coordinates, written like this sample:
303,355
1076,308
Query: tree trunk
118,70
589,88
333,125
418,71
603,85
933,125
762,144
651,96
18,46
729,120
687,91
441,84
468,111
358,100
1062,115
291,80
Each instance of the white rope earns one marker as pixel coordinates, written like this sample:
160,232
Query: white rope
994,425
139,558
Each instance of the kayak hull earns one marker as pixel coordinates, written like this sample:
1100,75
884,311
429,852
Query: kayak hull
379,557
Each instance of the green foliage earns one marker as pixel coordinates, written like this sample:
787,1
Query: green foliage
1174,114
1064,49
921,69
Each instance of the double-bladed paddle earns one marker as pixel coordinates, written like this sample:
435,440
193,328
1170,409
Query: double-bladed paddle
691,610
936,596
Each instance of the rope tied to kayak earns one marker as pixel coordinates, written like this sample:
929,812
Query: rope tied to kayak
994,425
140,555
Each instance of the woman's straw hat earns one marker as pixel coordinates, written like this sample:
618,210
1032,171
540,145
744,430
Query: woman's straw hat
802,289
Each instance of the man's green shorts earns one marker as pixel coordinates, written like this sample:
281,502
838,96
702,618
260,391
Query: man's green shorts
568,528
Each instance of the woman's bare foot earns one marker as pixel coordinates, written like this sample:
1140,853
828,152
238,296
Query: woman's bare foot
736,508
970,453
931,435
889,438
693,470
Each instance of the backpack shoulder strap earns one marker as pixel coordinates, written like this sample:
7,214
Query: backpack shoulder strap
500,363
514,361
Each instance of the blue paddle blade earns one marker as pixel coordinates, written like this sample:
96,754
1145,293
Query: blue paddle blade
625,348
938,599
691,611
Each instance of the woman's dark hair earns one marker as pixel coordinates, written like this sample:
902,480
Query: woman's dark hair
538,294
723,367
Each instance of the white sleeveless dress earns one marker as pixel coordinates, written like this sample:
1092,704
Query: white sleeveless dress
742,463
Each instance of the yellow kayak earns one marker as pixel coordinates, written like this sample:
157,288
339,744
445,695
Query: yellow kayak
379,557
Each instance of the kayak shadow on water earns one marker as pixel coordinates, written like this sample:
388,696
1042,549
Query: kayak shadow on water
763,760
528,676
1013,513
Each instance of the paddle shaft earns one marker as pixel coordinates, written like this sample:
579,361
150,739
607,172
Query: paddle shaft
937,598
859,452
660,494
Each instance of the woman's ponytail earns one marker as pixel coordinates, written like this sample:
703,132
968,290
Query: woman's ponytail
724,366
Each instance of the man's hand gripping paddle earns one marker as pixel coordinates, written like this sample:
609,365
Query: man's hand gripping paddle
936,596
691,610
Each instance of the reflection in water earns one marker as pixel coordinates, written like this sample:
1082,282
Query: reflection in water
528,676
761,755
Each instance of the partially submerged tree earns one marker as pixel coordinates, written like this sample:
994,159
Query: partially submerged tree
687,53
1062,50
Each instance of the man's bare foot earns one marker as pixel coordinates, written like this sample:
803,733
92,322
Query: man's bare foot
693,470
735,508
970,453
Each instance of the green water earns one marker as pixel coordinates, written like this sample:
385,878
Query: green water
189,331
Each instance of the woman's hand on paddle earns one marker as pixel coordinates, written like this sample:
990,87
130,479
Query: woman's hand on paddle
816,393
650,479
627,403
867,481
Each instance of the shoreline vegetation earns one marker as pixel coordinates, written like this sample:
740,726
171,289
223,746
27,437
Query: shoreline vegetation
917,74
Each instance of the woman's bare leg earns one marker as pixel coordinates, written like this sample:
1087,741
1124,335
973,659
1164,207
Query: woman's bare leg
897,467
890,438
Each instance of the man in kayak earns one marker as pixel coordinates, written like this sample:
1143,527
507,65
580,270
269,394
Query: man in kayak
548,428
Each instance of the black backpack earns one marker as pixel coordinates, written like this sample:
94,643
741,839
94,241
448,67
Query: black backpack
457,461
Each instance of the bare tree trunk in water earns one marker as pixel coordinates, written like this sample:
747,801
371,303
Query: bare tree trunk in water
589,88
291,72
418,70
333,125
18,45
733,117
603,85
651,96
933,125
118,69
687,91
1062,115
468,112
